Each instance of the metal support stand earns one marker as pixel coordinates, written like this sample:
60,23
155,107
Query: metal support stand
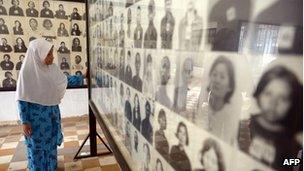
93,143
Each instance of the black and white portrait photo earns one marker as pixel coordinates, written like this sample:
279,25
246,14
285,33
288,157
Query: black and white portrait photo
148,78
78,65
7,64
31,11
128,71
3,27
46,12
20,47
63,48
128,108
121,70
19,63
47,24
76,46
178,156
15,9
150,39
161,142
33,23
9,81
127,137
146,158
136,113
62,31
122,32
2,8
146,126
64,65
129,22
75,15
167,27
138,32
136,80
75,30
17,29
4,46
190,31
60,13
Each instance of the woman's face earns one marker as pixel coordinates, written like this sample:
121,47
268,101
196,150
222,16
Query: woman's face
275,100
182,135
162,122
6,58
77,42
49,58
17,24
219,81
21,58
48,25
19,41
75,10
210,160
62,26
33,23
60,7
46,5
31,4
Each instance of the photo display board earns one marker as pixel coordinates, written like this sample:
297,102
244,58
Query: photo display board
60,22
213,85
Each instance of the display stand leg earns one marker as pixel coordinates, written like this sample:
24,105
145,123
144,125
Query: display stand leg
93,143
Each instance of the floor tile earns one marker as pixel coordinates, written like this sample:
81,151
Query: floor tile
73,166
90,162
71,144
113,167
5,152
5,159
107,160
17,165
4,166
9,145
94,169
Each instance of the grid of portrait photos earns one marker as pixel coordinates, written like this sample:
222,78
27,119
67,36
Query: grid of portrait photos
213,85
60,22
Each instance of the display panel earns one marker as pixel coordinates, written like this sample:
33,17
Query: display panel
199,85
60,22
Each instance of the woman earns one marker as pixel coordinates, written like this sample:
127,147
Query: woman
75,30
178,156
76,45
77,65
64,64
20,46
33,24
17,28
148,87
60,13
2,8
6,48
62,31
31,11
47,24
9,81
161,142
136,113
15,10
274,129
46,12
63,48
7,64
3,27
128,109
75,15
19,64
214,113
40,88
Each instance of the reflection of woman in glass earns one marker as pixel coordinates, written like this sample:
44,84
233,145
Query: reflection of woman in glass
2,8
161,142
211,156
75,30
46,12
121,73
274,129
191,29
60,13
150,39
76,45
20,46
5,47
63,48
159,165
77,64
128,109
15,9
129,22
148,87
64,64
31,11
3,27
7,64
33,24
178,156
167,27
19,64
62,31
136,113
18,28
8,82
214,114
47,24
147,158
75,15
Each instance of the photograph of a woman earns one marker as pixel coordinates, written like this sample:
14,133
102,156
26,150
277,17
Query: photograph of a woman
42,132
214,106
167,27
146,126
147,158
128,72
47,24
128,108
4,46
46,12
3,27
136,113
33,23
63,48
20,47
2,8
138,32
75,15
150,39
148,79
15,10
17,29
178,157
6,64
9,81
129,22
136,80
76,47
19,64
62,31
60,13
64,64
31,11
190,30
78,65
75,30
273,130
161,142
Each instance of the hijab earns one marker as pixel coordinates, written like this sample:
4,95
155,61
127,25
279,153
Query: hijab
37,82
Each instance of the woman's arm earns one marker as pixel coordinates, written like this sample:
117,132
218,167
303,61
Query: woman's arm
23,112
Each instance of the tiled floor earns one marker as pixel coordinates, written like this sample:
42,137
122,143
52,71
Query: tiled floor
13,155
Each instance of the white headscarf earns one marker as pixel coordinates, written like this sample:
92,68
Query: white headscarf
37,82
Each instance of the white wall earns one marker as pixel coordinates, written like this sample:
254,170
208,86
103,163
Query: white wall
74,103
